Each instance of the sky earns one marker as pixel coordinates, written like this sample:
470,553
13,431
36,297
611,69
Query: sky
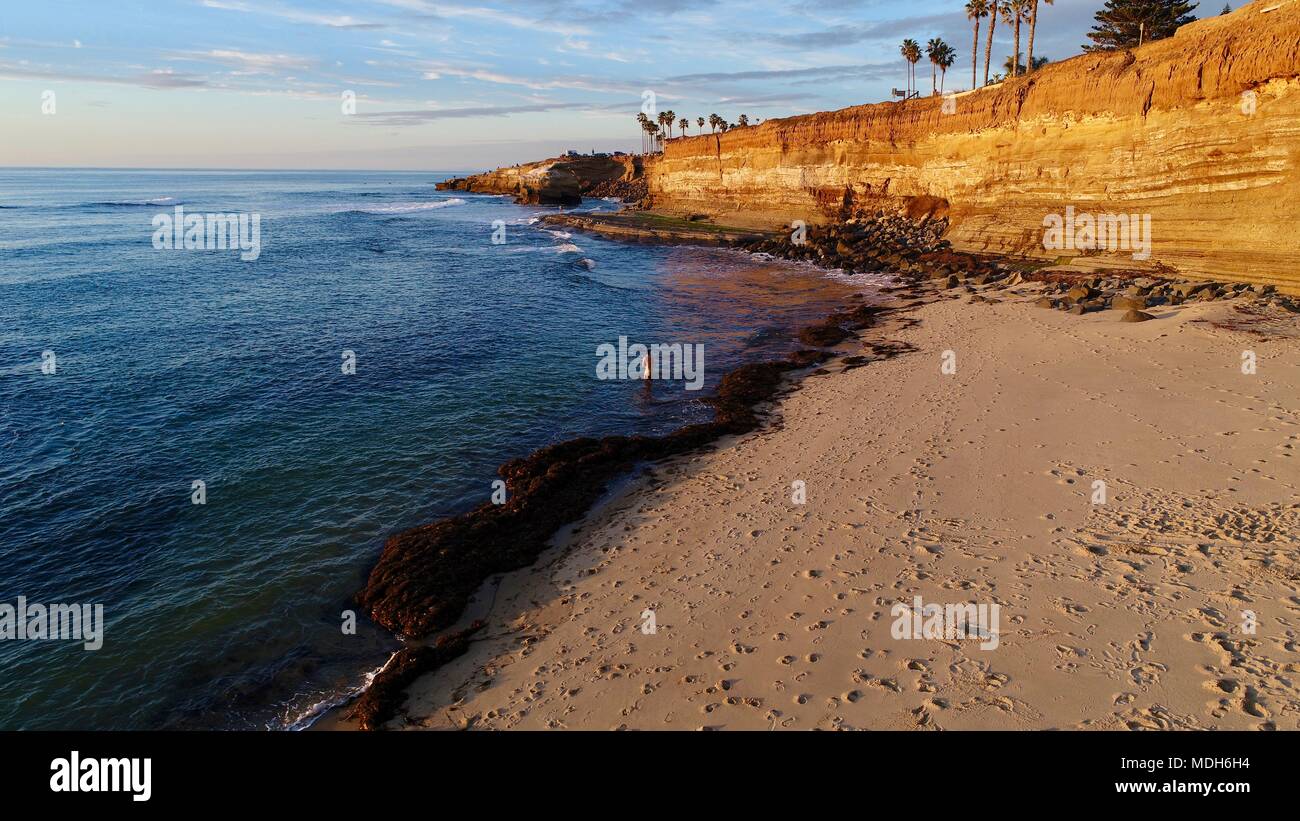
442,86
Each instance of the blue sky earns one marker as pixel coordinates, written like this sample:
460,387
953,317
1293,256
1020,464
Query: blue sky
441,86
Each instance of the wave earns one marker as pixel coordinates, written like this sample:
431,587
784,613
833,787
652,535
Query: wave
157,202
304,718
153,203
408,207
564,248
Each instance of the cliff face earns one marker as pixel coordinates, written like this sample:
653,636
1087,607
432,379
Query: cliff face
1200,131
557,181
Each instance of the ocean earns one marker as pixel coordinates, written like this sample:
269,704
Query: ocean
367,372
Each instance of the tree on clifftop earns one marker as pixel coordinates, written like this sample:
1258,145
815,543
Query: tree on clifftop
932,53
912,54
1124,24
1013,12
666,120
1033,27
947,56
975,9
642,119
995,9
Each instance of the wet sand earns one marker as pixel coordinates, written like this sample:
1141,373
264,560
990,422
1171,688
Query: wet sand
1165,598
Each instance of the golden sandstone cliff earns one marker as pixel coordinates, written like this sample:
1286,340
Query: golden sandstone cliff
1201,131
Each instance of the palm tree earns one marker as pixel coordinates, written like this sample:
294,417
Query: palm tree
975,9
947,56
666,119
932,50
682,124
995,9
714,122
642,119
1013,12
651,129
700,122
743,120
905,50
912,53
1033,26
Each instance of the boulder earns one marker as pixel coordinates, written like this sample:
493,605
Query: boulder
1079,293
824,335
1187,289
1135,316
1126,303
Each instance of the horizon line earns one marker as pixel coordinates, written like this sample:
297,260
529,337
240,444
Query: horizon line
226,168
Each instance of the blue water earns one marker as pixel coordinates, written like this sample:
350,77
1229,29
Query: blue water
176,366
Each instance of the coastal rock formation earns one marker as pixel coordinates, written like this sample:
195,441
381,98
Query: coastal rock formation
557,181
1200,131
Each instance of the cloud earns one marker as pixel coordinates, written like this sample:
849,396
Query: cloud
848,34
435,71
768,99
253,63
447,11
339,21
419,116
163,78
779,74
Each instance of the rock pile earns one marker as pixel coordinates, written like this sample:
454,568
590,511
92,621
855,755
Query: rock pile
633,191
887,243
1081,296
916,252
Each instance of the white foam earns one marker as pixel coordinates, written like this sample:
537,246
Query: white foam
409,207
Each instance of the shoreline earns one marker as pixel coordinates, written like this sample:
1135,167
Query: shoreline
452,636
773,615
548,490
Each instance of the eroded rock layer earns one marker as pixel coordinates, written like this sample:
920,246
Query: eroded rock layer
1200,131
557,181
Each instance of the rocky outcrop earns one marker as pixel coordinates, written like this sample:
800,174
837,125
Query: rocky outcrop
557,181
1201,131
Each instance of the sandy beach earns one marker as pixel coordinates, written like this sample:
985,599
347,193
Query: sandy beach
974,486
